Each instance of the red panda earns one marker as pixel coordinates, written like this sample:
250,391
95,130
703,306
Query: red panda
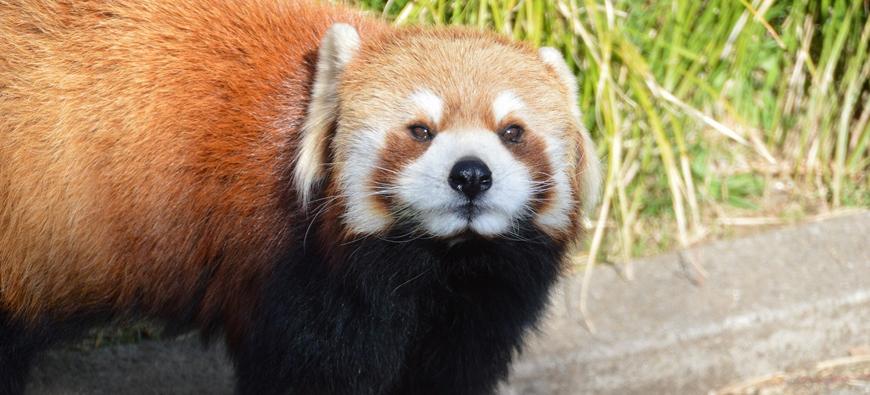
355,208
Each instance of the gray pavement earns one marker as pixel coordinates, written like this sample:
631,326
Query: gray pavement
180,366
771,302
776,301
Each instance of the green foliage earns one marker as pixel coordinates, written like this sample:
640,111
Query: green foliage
738,190
697,104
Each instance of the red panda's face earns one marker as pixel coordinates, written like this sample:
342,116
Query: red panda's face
457,133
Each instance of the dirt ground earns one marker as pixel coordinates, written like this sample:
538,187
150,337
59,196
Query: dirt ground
846,376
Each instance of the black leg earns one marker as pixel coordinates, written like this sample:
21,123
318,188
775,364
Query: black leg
311,336
305,352
394,318
466,351
16,354
472,332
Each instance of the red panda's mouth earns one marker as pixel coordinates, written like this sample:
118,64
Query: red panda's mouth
468,211
470,220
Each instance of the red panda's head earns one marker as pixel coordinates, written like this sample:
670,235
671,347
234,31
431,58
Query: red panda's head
450,132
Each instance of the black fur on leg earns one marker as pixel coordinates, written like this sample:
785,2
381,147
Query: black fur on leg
414,317
16,355
21,342
495,293
325,331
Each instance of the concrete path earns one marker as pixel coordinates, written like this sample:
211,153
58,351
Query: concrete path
771,302
181,366
776,301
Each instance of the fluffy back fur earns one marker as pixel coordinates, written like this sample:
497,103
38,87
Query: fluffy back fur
147,147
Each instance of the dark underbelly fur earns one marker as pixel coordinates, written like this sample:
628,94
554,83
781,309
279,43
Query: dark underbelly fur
415,317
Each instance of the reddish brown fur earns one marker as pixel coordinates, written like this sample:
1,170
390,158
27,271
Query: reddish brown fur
147,144
389,167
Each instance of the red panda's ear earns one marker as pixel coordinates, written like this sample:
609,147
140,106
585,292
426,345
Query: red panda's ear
590,170
337,47
553,58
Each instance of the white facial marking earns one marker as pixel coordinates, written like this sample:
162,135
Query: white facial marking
361,215
557,214
423,188
428,102
505,103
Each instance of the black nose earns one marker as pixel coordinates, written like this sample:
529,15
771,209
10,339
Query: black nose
470,176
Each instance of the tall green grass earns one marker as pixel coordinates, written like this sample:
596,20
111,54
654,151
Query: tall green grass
706,113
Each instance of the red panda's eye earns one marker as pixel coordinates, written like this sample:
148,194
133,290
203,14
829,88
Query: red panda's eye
420,132
512,134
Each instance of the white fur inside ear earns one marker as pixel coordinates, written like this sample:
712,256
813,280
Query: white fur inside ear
337,48
552,57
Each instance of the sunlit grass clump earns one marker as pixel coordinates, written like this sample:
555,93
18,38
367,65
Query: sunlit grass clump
708,114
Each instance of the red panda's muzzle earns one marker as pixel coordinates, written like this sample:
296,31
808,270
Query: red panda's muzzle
471,177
